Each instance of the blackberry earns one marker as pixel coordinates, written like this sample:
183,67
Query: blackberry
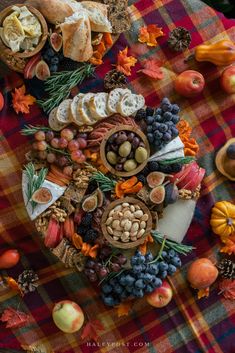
145,171
149,111
141,178
176,167
68,65
153,166
90,236
87,219
140,115
165,168
82,229
92,186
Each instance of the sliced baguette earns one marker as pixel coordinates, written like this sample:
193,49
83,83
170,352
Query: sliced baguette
53,121
130,103
83,109
73,108
98,106
63,112
114,97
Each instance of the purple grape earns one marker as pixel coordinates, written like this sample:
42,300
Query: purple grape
119,167
103,272
49,136
131,136
90,264
135,142
115,267
93,278
98,266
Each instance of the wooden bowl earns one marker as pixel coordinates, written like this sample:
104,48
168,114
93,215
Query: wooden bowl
131,244
221,158
139,133
5,51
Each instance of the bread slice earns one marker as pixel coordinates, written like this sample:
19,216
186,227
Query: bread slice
63,112
53,121
83,109
130,103
114,97
98,16
98,106
73,107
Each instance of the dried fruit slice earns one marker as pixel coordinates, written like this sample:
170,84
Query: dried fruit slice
30,68
42,70
42,195
53,234
90,203
157,195
56,41
155,179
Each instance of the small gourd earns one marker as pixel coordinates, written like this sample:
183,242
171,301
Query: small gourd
221,53
223,219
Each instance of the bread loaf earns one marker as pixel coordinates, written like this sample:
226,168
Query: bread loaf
114,98
73,108
98,16
63,111
130,103
98,106
83,110
76,32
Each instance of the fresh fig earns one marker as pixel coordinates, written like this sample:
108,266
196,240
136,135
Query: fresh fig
56,41
42,196
30,68
100,197
171,194
155,178
157,195
90,203
42,70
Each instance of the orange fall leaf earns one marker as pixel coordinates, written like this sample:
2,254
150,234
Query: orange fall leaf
124,62
153,69
149,34
124,308
229,247
22,101
203,293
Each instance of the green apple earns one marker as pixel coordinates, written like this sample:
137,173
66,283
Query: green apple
68,316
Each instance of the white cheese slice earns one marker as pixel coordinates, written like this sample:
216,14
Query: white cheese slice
170,155
174,145
177,219
56,191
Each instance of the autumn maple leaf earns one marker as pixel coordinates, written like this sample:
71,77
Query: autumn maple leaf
14,285
149,34
15,318
227,288
22,101
123,309
229,247
91,330
152,68
124,62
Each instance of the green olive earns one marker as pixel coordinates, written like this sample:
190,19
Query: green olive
141,154
130,165
124,149
111,157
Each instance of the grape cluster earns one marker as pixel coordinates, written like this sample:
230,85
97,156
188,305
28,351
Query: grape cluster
105,262
141,279
60,149
52,58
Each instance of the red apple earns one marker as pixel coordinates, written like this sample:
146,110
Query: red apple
227,80
68,316
161,296
189,83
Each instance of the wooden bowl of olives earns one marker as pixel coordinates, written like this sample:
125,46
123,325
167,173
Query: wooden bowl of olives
125,150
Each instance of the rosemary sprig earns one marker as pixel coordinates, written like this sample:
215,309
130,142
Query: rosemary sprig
105,183
34,181
60,84
169,244
31,129
111,275
182,160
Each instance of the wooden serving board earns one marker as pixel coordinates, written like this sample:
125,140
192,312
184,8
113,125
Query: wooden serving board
20,63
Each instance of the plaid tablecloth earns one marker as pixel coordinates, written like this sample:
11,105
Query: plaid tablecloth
186,325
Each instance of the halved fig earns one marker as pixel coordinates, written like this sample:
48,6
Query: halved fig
30,68
90,203
56,41
42,196
157,195
42,70
155,179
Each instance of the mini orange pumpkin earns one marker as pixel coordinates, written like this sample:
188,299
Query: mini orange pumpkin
223,219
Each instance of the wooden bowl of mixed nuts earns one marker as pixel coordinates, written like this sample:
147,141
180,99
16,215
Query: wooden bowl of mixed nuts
125,150
126,223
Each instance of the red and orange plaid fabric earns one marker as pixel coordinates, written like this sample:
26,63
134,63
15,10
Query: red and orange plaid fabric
186,325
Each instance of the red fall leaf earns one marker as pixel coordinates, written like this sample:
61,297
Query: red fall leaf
91,330
153,69
227,288
15,318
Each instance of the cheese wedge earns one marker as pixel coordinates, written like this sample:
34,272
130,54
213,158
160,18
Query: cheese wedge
175,145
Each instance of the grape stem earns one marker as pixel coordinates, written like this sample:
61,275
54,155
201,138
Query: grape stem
159,256
111,275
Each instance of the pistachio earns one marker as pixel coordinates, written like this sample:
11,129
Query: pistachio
135,227
117,233
115,238
118,208
110,230
128,225
138,214
142,224
125,204
109,221
137,207
127,214
132,208
115,224
133,238
140,233
127,234
145,217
